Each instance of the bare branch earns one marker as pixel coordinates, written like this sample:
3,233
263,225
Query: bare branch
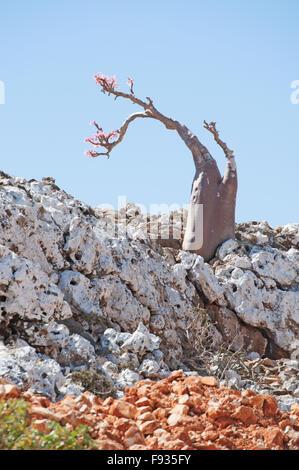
211,127
109,85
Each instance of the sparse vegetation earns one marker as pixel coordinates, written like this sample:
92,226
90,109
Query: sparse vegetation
18,433
94,381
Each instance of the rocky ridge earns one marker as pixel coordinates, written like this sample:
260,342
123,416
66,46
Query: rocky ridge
87,289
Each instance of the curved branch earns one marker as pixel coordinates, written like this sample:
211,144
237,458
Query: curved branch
199,151
229,154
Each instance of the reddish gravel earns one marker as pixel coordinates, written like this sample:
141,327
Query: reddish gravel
178,413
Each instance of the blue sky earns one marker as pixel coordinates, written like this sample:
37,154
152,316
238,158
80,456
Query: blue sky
228,61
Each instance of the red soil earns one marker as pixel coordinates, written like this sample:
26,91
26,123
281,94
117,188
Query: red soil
178,413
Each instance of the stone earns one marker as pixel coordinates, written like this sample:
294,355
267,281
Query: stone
273,437
253,355
42,425
270,406
209,381
9,391
141,341
202,277
148,427
108,444
132,437
245,414
44,413
149,368
123,409
226,248
174,419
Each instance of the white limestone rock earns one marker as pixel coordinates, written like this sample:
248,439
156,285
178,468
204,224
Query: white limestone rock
202,276
78,351
141,341
127,378
274,265
29,291
226,248
23,366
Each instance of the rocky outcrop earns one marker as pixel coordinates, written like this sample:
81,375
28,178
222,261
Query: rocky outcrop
113,291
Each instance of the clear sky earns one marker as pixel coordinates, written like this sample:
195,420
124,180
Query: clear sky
229,61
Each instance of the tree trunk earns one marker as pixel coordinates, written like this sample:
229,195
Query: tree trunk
211,216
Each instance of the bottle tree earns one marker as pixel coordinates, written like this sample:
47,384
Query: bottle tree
211,215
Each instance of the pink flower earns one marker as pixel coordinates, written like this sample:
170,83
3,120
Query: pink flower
130,82
105,81
91,153
111,134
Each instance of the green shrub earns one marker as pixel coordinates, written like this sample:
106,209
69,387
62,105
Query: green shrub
94,381
16,432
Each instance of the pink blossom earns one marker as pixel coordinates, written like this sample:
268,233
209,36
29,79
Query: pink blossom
130,82
111,134
91,153
105,81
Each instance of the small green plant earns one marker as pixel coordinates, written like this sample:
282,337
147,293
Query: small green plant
17,433
94,381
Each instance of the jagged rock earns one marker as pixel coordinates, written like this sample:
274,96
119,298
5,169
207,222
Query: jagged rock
23,366
235,334
202,276
77,283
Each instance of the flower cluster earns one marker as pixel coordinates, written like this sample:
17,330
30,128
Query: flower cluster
107,83
99,138
91,153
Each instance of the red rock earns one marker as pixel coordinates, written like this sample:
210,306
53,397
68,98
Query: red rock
257,402
248,393
295,409
123,424
284,423
180,388
42,425
245,414
216,412
88,398
210,381
223,422
270,406
176,374
176,418
161,413
143,409
225,442
185,400
138,447
9,391
108,444
210,435
273,437
40,412
144,401
108,401
133,436
180,409
71,416
123,409
148,427
147,416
